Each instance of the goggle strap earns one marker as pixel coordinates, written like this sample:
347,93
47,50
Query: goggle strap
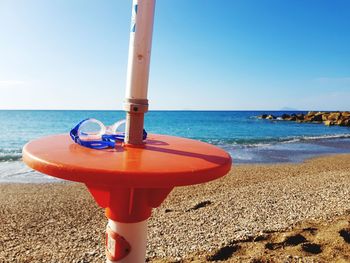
97,144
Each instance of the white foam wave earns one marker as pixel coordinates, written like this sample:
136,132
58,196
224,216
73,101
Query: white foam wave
320,137
272,141
18,172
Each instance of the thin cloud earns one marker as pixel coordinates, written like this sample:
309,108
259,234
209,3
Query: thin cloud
10,83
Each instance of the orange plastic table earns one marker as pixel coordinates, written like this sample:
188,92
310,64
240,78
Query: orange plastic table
129,181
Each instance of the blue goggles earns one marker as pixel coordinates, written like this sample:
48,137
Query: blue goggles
94,134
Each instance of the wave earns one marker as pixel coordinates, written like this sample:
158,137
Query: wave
267,141
316,138
10,155
321,137
18,172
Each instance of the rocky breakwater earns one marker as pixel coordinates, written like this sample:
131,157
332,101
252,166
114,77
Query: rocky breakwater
341,118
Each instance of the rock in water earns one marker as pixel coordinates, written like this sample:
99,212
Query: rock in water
334,116
328,123
271,117
285,116
346,114
328,118
317,117
262,116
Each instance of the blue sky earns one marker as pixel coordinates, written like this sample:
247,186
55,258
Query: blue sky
212,55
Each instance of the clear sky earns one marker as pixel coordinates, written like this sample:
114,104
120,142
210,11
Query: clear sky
212,55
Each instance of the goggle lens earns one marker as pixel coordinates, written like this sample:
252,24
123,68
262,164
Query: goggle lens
91,129
118,127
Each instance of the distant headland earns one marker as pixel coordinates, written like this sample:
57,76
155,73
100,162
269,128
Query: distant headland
340,118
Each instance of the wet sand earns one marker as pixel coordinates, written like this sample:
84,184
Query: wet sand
257,213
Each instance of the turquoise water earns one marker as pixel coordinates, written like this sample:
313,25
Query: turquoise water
246,138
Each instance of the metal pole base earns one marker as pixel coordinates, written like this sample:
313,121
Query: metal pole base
135,111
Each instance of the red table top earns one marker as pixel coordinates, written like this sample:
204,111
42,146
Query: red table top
164,161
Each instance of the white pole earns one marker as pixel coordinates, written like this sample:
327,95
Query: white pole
122,235
136,103
133,233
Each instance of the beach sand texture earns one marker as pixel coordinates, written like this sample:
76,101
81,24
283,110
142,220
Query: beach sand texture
257,213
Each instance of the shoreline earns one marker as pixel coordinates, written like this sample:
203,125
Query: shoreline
275,154
304,161
61,222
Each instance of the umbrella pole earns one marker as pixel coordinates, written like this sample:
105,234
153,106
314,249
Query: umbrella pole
136,102
126,242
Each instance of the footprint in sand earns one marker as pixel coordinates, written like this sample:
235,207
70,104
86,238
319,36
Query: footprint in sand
273,246
200,205
261,237
345,234
224,253
289,241
312,248
294,240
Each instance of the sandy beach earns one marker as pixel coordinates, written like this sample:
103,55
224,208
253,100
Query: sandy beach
257,213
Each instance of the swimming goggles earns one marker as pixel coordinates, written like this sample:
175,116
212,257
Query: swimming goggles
94,134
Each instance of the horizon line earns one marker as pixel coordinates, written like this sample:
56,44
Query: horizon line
121,110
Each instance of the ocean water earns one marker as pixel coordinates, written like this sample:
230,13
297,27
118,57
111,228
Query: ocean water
246,138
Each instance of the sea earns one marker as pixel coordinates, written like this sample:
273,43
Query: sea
249,140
